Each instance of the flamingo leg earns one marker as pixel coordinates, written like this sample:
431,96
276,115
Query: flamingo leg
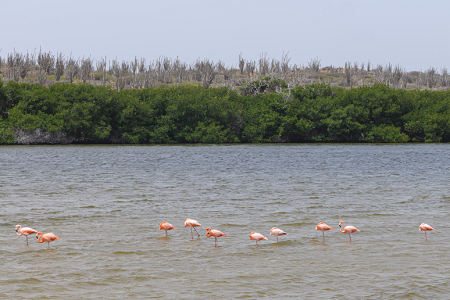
256,244
216,244
197,232
323,234
48,247
166,232
27,239
192,235
426,236
350,235
277,239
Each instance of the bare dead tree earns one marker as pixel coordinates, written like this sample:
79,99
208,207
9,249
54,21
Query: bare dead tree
179,70
59,66
207,70
26,63
314,64
250,68
46,61
85,69
42,76
432,77
227,74
117,73
263,64
445,78
275,67
241,63
167,75
134,70
368,66
71,69
101,68
406,78
349,72
397,76
285,65
142,67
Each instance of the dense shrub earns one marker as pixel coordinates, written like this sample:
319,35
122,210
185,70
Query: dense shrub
318,112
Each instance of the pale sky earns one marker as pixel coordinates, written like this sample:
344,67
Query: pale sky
412,33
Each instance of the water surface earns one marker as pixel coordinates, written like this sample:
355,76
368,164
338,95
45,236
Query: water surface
106,203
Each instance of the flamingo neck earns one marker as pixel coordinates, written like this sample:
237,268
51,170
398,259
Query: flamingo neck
19,230
40,236
341,227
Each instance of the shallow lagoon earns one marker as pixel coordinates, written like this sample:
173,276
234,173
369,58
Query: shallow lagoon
106,203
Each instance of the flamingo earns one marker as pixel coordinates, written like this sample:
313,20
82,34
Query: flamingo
26,231
322,226
425,227
347,229
166,226
215,233
277,232
257,237
48,237
192,223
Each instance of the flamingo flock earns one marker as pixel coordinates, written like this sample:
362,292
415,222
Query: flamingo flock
255,236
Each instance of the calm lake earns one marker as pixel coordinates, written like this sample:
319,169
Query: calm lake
106,204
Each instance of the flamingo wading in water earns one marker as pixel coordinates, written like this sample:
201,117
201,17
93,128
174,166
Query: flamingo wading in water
215,233
277,232
48,237
26,231
192,223
425,227
166,226
347,229
322,226
257,237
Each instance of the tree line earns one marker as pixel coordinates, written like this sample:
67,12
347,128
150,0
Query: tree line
45,68
263,110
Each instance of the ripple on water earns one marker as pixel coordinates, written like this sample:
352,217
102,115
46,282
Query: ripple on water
109,201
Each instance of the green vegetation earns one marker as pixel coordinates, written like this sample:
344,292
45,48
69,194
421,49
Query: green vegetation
261,111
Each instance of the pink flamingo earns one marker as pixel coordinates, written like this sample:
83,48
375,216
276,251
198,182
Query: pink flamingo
277,232
192,223
322,226
48,237
26,231
166,226
257,237
425,227
215,233
347,229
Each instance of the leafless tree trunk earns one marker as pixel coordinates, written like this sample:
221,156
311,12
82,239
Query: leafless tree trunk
46,61
314,64
101,68
207,71
349,74
24,67
42,76
241,64
431,78
445,78
250,68
397,76
59,66
285,65
71,69
263,64
85,69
